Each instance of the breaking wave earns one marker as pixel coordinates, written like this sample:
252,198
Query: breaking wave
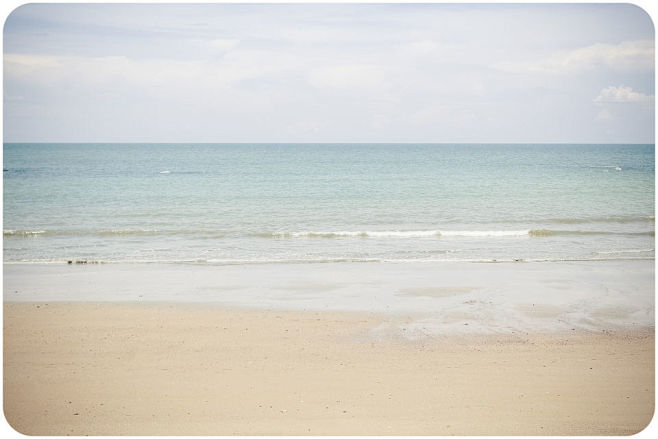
214,234
537,233
26,233
603,219
604,256
546,232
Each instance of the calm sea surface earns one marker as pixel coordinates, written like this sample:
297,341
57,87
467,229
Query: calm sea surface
251,203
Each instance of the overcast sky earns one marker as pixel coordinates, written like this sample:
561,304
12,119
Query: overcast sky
329,73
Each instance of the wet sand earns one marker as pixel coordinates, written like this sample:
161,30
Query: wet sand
182,369
456,298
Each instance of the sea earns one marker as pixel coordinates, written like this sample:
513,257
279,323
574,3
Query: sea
221,204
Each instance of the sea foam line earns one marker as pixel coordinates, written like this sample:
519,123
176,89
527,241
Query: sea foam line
392,234
11,232
536,233
631,250
603,219
214,234
193,261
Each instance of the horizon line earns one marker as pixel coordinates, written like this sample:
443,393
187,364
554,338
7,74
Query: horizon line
333,143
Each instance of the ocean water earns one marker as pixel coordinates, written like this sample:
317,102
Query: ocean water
280,203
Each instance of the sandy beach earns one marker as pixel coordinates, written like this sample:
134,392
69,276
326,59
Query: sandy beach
329,219
181,369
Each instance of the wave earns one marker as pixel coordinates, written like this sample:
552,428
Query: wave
321,260
603,219
522,260
536,233
128,232
198,261
484,233
9,232
117,232
187,233
350,234
607,167
632,250
110,232
545,232
214,234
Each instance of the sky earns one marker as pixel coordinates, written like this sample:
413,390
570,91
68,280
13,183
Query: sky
439,73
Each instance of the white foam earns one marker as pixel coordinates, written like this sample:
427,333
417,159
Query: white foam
631,250
359,234
327,234
407,234
478,233
11,232
400,233
165,172
127,231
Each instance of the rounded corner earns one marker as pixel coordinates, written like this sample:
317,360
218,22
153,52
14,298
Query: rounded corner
645,431
9,424
643,10
12,13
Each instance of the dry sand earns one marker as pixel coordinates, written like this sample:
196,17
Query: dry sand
158,369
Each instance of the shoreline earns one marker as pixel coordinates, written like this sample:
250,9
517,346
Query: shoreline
161,369
458,298
337,260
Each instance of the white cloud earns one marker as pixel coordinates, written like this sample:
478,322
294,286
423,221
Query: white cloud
628,55
109,71
327,72
359,76
99,72
422,47
222,45
604,114
622,93
26,63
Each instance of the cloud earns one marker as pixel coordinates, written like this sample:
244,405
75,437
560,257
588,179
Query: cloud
222,45
628,55
421,47
622,93
327,72
98,72
358,76
105,72
26,63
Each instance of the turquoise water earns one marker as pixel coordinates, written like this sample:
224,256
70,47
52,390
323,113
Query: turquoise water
244,203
